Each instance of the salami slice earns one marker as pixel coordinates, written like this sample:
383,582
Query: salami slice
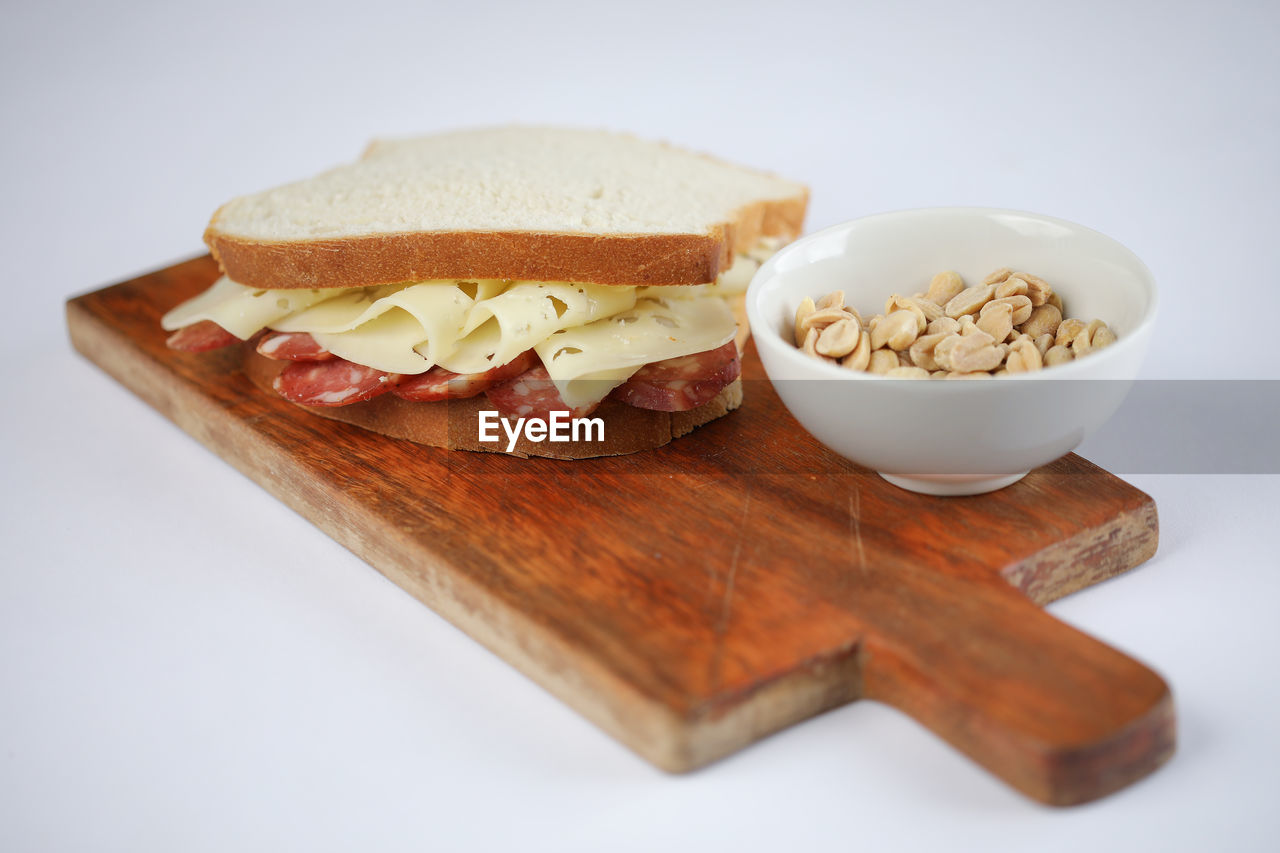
532,394
201,337
292,346
440,384
336,382
682,383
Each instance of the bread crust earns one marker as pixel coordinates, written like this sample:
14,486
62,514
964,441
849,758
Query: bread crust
454,424
639,259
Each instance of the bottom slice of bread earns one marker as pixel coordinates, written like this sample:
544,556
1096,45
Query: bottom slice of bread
455,424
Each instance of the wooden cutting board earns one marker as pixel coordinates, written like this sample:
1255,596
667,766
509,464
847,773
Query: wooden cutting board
695,598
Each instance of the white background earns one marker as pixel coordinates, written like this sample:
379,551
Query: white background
186,665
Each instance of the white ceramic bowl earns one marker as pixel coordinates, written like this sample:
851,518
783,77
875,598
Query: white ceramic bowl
947,437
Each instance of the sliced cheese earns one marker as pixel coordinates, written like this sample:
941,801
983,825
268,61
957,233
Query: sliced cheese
387,342
587,362
241,310
394,328
436,304
735,279
500,328
340,314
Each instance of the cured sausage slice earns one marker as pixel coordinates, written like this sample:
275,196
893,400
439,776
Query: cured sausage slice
681,383
440,384
532,394
293,346
336,382
201,337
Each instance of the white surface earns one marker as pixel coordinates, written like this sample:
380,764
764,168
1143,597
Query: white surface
165,686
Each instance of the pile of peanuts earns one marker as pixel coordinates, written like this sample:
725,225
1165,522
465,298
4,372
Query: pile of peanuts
1011,323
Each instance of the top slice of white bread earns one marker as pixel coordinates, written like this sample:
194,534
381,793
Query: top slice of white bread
510,202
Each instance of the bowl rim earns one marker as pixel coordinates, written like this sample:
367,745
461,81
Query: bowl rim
1097,360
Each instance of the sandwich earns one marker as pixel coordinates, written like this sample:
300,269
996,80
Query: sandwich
442,286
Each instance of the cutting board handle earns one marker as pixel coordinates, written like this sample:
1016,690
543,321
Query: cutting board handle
1052,711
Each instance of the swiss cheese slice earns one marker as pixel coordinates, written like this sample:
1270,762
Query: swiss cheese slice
241,310
387,342
587,362
500,328
394,328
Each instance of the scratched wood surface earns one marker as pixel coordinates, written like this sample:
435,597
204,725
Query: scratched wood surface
693,599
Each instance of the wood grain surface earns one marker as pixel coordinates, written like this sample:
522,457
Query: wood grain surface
693,599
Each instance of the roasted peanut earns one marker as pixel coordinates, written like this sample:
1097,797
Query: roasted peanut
963,347
897,331
1011,287
1021,307
882,361
903,303
822,318
1038,290
834,299
1057,354
922,351
996,320
970,300
1067,331
944,287
1094,336
973,354
943,326
908,373
930,310
981,337
1023,357
1043,343
810,345
853,312
1043,320
1103,337
998,276
839,339
861,355
942,351
1081,345
802,314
